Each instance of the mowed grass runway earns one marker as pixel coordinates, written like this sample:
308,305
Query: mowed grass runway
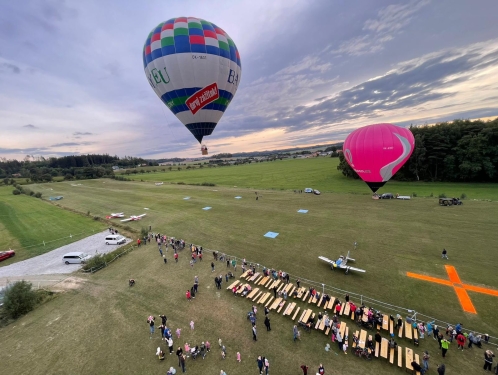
25,222
101,327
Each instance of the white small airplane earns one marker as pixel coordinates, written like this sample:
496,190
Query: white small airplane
341,263
159,183
115,215
134,218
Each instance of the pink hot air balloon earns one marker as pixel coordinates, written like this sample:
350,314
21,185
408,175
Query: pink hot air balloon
377,152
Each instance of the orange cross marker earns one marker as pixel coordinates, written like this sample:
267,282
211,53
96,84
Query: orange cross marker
460,288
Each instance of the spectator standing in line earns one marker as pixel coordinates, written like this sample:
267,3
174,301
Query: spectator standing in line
444,254
212,266
170,345
435,331
321,370
460,340
488,360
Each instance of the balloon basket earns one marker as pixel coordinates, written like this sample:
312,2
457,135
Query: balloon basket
204,150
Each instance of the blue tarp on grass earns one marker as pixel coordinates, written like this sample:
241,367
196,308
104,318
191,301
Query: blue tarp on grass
271,234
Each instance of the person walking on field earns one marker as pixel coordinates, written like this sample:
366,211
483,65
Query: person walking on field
267,323
295,332
445,344
254,333
444,254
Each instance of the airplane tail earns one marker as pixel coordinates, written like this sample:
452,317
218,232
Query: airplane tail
347,256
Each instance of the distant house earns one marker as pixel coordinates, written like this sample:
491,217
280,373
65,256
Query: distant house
17,175
115,168
166,164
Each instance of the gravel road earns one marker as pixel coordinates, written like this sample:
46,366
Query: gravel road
51,262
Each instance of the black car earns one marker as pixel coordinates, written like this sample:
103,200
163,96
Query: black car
387,196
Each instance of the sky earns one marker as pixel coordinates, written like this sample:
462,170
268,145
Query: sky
72,79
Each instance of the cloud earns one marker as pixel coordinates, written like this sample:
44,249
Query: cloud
67,144
30,126
11,67
389,22
82,133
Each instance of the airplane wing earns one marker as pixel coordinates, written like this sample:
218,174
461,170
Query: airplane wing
129,219
349,268
141,215
326,260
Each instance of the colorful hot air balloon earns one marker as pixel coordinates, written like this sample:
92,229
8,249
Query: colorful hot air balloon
377,152
194,68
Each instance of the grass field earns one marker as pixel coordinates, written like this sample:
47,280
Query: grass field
25,222
320,172
394,237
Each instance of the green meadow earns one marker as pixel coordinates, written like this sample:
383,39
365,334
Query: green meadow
101,326
290,174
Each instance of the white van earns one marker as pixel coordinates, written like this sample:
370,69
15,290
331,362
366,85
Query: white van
114,239
308,190
76,257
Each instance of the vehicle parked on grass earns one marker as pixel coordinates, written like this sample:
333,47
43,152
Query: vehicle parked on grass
76,257
316,192
308,190
7,254
115,239
387,196
450,202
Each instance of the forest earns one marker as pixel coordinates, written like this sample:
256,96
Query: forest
458,151
40,169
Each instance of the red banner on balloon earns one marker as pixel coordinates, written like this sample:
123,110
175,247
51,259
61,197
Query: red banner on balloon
202,98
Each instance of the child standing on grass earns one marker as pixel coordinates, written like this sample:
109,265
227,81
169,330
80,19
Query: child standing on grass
178,332
345,347
191,324
238,356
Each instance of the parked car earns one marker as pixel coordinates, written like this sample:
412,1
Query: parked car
7,254
75,257
316,192
450,202
308,190
114,239
387,196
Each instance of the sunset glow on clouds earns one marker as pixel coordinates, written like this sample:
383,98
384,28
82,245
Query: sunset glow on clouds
72,80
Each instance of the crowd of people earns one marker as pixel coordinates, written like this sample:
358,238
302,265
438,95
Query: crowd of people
444,337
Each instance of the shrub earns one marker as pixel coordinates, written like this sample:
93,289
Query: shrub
414,194
179,168
180,183
88,213
16,192
442,195
144,232
31,193
431,195
208,184
19,299
96,218
38,195
463,196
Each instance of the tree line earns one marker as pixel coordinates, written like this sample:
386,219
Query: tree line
460,151
40,169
